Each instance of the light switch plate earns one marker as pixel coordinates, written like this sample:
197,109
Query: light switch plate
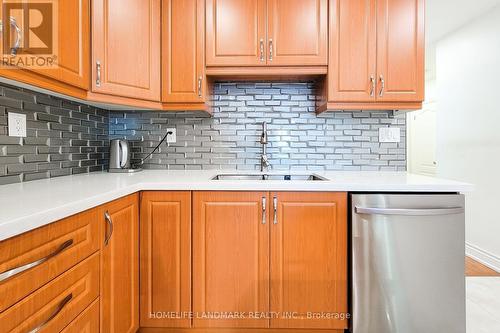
389,134
172,138
17,124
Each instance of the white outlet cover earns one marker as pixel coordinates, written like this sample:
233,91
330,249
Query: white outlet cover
17,124
172,138
389,134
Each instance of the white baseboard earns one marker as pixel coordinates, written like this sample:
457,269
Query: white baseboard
485,258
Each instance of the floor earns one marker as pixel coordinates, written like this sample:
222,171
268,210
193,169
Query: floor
483,298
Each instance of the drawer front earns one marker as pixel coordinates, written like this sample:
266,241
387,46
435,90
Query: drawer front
30,260
86,322
56,304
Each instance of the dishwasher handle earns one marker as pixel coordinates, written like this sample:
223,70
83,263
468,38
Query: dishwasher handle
409,211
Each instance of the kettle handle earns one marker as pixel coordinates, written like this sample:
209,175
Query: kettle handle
124,154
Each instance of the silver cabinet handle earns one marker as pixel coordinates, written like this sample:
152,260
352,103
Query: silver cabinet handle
109,221
262,50
382,87
98,78
270,50
264,209
275,210
12,272
372,86
59,308
200,81
17,43
409,212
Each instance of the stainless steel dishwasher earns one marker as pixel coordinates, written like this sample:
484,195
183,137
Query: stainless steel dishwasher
408,263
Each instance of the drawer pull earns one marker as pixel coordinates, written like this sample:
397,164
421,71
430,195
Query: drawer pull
59,308
109,221
12,272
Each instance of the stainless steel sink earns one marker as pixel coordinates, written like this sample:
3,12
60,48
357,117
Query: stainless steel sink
285,177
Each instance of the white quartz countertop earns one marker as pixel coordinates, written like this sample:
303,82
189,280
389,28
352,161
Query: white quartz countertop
30,205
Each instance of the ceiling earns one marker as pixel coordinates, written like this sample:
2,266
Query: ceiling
445,16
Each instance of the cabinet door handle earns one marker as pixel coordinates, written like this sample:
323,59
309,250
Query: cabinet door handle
382,87
270,50
200,81
262,50
13,24
264,209
275,210
12,272
59,308
372,86
98,70
109,222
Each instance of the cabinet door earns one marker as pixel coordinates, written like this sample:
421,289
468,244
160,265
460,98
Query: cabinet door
297,32
235,32
400,50
126,44
309,259
183,51
165,258
353,46
230,257
74,44
120,266
86,322
73,53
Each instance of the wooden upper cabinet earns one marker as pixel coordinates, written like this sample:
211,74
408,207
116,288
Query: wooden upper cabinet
235,32
73,50
353,47
73,33
120,265
230,257
126,48
165,271
297,32
183,67
267,32
400,50
309,259
376,53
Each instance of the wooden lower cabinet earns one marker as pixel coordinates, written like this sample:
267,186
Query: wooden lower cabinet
120,265
55,305
86,322
165,265
65,243
309,259
230,258
208,262
283,255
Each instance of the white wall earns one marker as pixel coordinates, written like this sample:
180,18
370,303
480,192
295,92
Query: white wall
468,129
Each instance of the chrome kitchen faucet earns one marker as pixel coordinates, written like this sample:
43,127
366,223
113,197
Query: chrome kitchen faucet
264,159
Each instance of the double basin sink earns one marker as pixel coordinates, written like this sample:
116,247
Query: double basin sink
286,177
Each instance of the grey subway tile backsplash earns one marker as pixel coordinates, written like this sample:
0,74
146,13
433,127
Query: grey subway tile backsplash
298,138
62,137
66,137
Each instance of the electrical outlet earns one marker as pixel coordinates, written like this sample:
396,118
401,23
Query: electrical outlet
389,134
172,138
17,124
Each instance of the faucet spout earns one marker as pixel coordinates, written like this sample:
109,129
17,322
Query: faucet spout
263,137
264,159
